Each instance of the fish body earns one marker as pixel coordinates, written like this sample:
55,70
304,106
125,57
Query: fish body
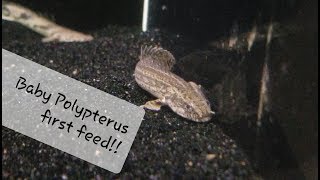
51,31
153,74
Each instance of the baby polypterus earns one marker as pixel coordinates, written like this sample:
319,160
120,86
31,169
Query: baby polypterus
153,74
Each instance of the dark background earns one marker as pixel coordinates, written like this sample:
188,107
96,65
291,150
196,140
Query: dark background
295,96
201,19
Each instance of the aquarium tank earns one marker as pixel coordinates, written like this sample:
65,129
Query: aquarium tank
229,88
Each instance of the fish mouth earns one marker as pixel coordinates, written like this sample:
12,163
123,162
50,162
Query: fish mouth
207,116
204,118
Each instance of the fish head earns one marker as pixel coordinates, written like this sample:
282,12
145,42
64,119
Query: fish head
12,12
192,104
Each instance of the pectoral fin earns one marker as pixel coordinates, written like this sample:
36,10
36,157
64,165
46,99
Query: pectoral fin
154,105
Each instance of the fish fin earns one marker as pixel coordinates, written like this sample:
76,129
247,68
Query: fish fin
157,57
154,105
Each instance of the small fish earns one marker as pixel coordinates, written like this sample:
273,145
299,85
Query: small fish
51,31
153,74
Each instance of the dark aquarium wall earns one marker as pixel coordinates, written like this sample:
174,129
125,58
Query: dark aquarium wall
265,94
205,18
210,19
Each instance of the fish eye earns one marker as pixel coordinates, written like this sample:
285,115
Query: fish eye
188,106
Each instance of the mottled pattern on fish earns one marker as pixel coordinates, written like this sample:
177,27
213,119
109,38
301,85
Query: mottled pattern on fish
41,25
153,74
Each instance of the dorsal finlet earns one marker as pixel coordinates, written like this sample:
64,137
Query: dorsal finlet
157,57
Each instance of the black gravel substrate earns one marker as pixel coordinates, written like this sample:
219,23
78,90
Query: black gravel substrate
166,145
